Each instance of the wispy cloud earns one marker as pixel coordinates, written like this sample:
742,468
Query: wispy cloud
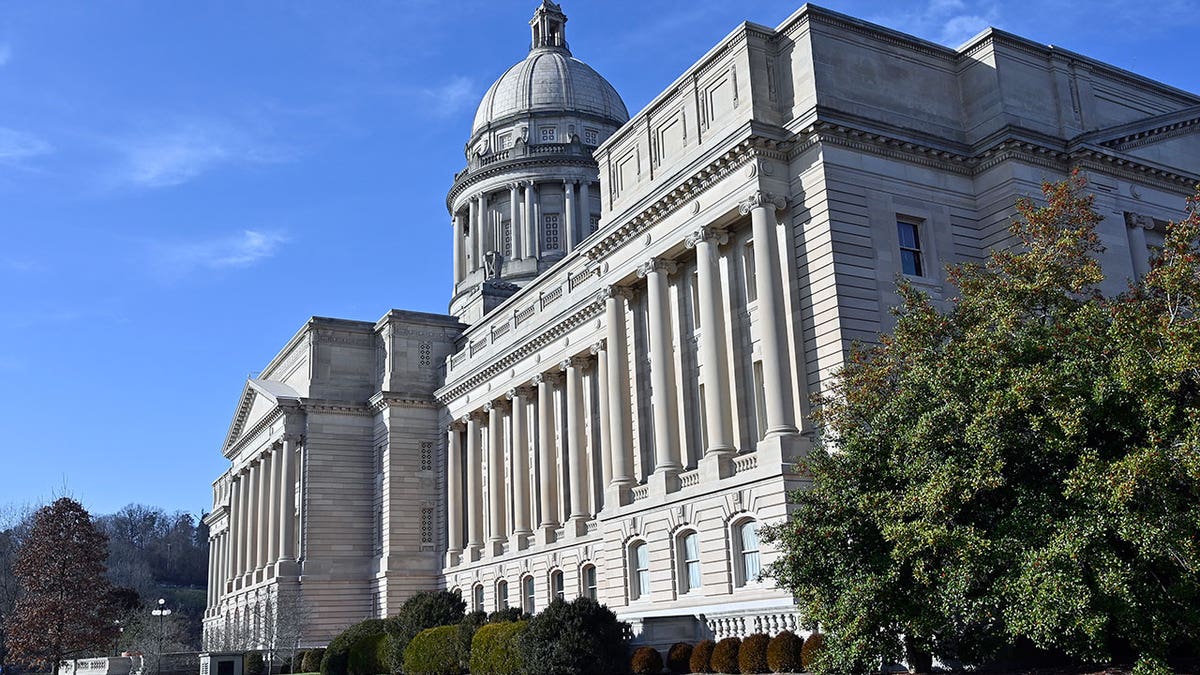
949,22
451,97
237,250
19,265
18,146
5,53
175,156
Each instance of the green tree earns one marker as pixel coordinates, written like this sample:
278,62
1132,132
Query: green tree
65,608
1020,463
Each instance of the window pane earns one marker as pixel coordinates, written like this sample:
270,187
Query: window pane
691,547
693,575
557,582
751,565
750,537
643,557
589,582
910,262
643,579
908,235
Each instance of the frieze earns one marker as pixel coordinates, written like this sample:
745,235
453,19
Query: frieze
338,337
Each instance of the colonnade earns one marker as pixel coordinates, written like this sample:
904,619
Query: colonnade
480,228
536,399
262,527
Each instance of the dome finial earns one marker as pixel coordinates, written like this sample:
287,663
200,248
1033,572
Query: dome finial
549,26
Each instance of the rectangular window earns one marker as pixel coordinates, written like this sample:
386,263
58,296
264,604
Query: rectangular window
550,231
504,142
748,267
591,137
910,248
549,134
691,561
760,399
594,222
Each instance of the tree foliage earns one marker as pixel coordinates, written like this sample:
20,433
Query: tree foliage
1020,463
65,606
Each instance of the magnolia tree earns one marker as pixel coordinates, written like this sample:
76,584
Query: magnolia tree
1021,463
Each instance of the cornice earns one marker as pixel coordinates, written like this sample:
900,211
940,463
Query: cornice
384,400
506,166
247,435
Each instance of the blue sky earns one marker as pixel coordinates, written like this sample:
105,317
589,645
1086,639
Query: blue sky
183,184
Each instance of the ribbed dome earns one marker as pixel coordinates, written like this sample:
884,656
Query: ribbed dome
550,80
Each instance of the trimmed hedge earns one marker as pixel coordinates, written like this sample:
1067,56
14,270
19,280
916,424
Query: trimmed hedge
252,663
507,615
312,660
811,650
646,661
701,660
725,655
495,649
783,653
337,656
426,609
439,651
679,658
581,636
752,655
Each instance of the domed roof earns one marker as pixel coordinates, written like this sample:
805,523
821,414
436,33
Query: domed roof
549,80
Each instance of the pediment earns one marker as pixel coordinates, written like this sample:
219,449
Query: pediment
259,399
1146,131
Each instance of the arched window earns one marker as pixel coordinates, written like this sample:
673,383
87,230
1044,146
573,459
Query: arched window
639,566
477,603
527,595
587,581
688,550
501,595
745,541
556,585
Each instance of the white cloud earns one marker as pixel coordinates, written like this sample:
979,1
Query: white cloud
962,27
17,146
238,250
451,97
5,53
176,156
948,22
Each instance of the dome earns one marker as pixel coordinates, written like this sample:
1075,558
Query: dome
550,80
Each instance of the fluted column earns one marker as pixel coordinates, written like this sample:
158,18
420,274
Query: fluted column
235,526
520,465
530,223
264,512
497,486
714,357
210,596
585,208
454,492
600,351
547,456
662,374
619,396
287,502
1138,251
485,231
456,229
475,244
768,281
578,515
569,213
252,521
514,203
474,486
273,505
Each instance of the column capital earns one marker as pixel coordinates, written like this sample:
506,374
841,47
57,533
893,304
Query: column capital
570,181
523,391
599,346
706,233
515,185
474,416
456,425
761,199
656,265
614,291
498,405
549,377
574,362
1139,220
530,183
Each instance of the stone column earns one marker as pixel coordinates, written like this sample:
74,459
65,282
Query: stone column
569,213
287,503
474,244
485,231
1140,255
474,487
264,509
235,525
522,526
531,231
273,506
769,283
620,433
578,516
454,493
224,564
547,457
252,522
714,358
662,376
600,351
497,486
585,209
210,597
514,202
456,228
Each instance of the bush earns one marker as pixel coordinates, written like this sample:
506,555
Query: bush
312,660
370,656
427,609
495,649
701,660
811,650
438,651
752,656
507,615
646,661
336,660
783,653
298,661
581,636
252,664
725,656
679,658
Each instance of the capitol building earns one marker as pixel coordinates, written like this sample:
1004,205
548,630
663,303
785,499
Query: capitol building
640,310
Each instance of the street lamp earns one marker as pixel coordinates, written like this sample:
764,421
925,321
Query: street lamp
161,612
117,637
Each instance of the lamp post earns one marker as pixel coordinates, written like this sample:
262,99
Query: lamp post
117,637
161,612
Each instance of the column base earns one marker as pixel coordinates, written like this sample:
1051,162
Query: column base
495,548
715,465
664,481
576,526
519,541
618,495
287,568
779,452
473,553
453,558
546,534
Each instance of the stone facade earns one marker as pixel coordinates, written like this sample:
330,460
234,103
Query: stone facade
617,419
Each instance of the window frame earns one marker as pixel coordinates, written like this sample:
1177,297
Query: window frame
478,596
685,563
586,589
528,594
639,570
742,577
558,585
502,595
920,269
548,134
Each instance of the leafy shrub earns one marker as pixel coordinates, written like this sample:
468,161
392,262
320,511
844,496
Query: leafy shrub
311,662
581,636
336,660
427,609
252,664
298,661
783,653
507,615
752,655
495,649
370,656
646,661
812,648
725,656
679,658
438,651
701,659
